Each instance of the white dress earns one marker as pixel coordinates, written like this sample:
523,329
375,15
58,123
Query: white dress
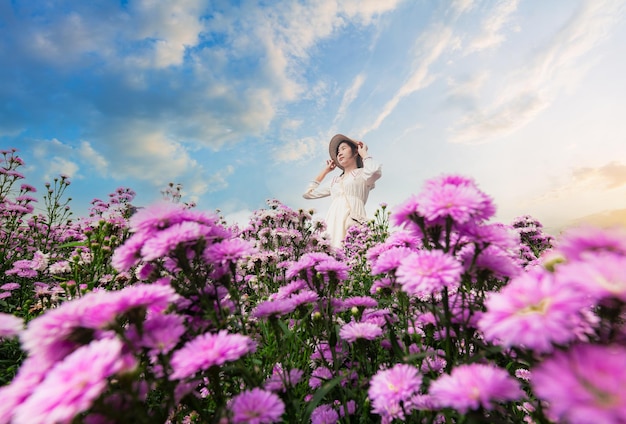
348,194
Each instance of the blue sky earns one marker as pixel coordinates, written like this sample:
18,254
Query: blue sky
237,100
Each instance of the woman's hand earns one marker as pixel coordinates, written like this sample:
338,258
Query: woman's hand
362,148
330,165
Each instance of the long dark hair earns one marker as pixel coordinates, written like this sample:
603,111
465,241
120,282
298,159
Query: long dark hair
355,151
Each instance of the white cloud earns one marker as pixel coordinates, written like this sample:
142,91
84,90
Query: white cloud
348,97
293,151
492,26
60,166
558,66
430,47
93,158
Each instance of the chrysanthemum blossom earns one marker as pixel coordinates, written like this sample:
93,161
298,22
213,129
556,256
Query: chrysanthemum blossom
456,197
601,275
576,243
428,271
474,385
324,414
390,259
72,385
10,325
354,331
533,311
257,406
208,350
274,308
388,388
584,384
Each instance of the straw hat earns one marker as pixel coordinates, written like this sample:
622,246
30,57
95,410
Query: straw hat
334,143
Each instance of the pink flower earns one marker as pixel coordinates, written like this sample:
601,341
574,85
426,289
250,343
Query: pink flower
428,271
228,251
161,333
584,384
456,197
389,388
274,308
324,414
578,242
533,311
28,378
474,385
601,275
72,385
354,331
389,260
257,406
10,325
208,350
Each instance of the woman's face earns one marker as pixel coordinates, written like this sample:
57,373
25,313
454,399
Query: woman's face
345,155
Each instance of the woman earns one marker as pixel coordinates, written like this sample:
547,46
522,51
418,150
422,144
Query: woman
348,191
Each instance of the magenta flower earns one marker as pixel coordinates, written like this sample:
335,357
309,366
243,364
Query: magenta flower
208,350
474,385
274,308
257,406
354,331
228,251
578,242
280,380
28,378
533,311
161,333
390,259
391,387
456,197
324,414
73,384
584,384
10,325
319,376
428,271
360,302
601,275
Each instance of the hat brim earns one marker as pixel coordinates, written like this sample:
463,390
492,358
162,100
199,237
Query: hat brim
334,143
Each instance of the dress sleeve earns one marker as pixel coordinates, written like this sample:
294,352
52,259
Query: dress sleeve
314,191
372,171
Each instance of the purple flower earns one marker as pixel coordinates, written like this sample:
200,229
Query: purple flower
319,376
304,297
428,271
474,385
280,381
360,302
10,325
576,243
208,350
10,286
601,275
161,333
533,311
257,406
28,378
324,414
456,197
389,388
274,308
353,331
389,260
228,251
584,384
73,384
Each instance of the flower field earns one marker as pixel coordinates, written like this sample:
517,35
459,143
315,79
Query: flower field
431,313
